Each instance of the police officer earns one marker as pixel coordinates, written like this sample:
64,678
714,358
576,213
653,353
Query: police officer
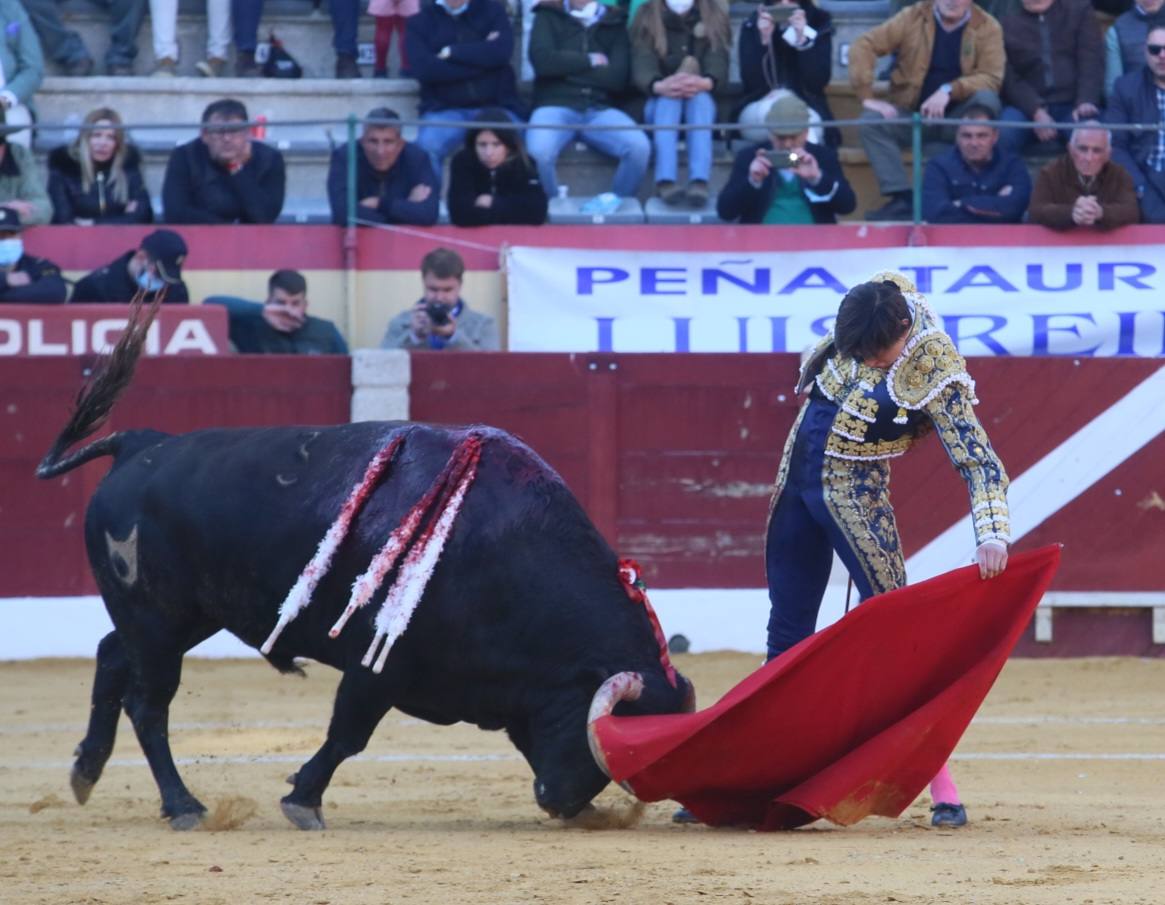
25,279
155,267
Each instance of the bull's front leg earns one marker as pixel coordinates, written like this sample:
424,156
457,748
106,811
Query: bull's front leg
361,703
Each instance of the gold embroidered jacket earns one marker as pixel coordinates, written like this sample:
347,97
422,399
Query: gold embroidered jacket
880,414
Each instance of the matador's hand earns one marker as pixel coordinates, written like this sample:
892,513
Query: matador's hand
992,558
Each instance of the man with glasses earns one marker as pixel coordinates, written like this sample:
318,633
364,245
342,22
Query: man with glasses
223,176
1139,97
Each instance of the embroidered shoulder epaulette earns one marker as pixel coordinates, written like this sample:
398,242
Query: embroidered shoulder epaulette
928,364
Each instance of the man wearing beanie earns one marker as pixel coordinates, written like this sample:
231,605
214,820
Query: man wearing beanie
788,179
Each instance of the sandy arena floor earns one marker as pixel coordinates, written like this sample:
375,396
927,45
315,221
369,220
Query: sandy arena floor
1063,771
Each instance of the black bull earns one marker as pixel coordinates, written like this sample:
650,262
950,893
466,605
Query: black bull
523,620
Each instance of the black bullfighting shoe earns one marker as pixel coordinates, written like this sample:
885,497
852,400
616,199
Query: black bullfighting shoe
948,815
683,815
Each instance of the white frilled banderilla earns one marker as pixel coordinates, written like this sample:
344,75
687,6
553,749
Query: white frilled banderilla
440,506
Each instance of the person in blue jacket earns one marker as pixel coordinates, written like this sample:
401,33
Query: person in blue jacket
394,180
976,181
459,51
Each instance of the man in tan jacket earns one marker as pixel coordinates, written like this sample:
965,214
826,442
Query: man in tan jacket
949,55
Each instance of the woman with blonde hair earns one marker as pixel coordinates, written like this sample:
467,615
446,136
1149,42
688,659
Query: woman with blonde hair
679,58
98,178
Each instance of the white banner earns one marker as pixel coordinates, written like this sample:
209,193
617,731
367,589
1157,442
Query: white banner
1099,300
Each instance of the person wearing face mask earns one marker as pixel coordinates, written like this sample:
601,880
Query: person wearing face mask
785,48
21,188
25,279
155,267
679,57
98,178
491,180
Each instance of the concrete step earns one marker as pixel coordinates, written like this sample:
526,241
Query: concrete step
306,33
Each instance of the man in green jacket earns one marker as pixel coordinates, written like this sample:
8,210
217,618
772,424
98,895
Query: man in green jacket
948,57
582,60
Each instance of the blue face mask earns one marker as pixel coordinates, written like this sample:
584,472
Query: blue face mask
149,282
453,12
11,251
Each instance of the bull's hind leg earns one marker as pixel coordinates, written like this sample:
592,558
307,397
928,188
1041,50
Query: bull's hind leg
109,686
361,703
156,675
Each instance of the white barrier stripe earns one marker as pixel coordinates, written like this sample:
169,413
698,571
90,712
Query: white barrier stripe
1059,477
260,759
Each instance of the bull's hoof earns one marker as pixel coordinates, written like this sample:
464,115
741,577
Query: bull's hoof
303,817
82,785
188,821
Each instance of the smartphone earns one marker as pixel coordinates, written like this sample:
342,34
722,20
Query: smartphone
783,159
780,14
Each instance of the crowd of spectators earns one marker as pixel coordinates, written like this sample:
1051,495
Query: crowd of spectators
600,70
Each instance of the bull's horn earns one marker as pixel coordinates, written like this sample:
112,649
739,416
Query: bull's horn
623,686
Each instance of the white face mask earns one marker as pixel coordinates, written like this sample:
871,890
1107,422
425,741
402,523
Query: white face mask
453,12
11,251
149,282
587,13
680,7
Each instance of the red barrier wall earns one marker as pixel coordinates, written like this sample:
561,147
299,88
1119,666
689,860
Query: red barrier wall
673,455
41,540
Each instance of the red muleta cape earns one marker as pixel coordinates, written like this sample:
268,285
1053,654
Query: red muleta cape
855,720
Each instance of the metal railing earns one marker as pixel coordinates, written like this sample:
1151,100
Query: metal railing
353,124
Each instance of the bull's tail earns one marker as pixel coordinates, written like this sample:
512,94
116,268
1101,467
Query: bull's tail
109,377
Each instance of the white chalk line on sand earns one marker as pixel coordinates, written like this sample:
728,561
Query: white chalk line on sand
408,722
482,757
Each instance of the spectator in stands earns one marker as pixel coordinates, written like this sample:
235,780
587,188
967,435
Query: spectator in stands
394,179
1084,187
153,267
976,181
1124,42
223,176
442,319
65,47
459,50
345,19
1054,69
787,179
948,56
98,178
390,16
783,48
21,68
21,188
582,62
491,180
679,57
1139,97
164,21
24,279
280,325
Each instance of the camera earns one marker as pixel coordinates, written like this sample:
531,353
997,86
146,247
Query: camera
779,14
783,159
438,313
